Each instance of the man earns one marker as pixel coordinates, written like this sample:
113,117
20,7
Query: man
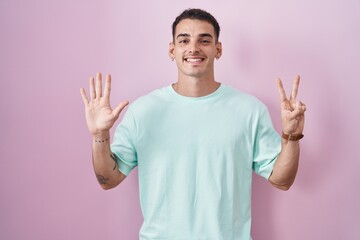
195,142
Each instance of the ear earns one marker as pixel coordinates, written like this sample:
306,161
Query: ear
171,50
219,50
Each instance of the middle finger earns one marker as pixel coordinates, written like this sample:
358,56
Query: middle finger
295,88
98,85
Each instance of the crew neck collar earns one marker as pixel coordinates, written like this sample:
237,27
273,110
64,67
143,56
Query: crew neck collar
178,96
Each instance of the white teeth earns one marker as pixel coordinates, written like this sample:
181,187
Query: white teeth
194,60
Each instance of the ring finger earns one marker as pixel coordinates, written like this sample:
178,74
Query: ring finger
92,88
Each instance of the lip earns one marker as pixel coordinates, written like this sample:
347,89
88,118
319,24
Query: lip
194,59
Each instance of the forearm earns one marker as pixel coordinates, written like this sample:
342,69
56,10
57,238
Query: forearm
286,166
105,167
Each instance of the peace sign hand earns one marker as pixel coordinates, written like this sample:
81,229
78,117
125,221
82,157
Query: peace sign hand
100,117
292,111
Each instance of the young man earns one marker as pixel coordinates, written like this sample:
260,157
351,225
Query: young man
195,142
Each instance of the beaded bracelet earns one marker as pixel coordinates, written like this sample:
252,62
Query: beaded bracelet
101,140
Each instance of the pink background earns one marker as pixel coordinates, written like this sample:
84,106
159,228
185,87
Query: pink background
49,49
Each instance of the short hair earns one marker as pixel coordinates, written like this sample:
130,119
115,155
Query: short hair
197,14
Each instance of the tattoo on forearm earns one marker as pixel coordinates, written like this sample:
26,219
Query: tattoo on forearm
115,166
113,158
101,179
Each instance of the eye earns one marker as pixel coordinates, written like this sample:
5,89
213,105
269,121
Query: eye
183,41
205,41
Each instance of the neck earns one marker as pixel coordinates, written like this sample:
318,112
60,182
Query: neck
195,87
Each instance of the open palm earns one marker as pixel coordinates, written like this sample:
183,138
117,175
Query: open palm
100,117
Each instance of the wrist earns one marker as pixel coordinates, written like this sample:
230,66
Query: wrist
101,137
292,136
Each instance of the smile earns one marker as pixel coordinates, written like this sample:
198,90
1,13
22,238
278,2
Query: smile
194,60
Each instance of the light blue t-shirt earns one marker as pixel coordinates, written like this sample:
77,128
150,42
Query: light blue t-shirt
195,158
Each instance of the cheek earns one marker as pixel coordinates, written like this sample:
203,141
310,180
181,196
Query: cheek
179,51
179,54
178,61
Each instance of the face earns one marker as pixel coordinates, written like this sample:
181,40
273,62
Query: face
195,48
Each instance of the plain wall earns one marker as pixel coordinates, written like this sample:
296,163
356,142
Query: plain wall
49,49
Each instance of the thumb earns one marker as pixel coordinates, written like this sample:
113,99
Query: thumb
116,112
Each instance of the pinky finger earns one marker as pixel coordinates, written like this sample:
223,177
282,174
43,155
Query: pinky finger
84,97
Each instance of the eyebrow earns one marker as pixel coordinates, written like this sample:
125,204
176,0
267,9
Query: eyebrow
205,35
188,35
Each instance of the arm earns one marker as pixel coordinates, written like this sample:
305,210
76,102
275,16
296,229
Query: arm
105,165
292,118
100,117
285,169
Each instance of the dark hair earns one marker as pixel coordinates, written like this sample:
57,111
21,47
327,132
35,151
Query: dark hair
198,14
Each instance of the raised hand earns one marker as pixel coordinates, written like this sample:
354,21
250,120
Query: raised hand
292,111
100,117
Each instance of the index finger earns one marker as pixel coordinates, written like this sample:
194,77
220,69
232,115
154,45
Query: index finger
295,88
281,90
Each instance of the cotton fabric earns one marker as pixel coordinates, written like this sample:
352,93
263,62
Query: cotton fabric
195,158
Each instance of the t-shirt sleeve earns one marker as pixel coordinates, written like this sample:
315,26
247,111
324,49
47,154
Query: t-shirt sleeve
267,146
123,147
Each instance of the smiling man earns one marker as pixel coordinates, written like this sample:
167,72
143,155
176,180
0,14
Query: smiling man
195,142
195,66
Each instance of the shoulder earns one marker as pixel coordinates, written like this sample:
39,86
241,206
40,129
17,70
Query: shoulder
152,100
242,99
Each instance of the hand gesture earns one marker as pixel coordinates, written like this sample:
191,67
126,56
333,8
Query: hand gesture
292,111
100,117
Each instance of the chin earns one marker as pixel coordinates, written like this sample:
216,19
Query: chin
195,74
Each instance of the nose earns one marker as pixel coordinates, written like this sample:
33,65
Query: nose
193,47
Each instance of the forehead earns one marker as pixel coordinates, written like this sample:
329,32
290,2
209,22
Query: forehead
194,27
